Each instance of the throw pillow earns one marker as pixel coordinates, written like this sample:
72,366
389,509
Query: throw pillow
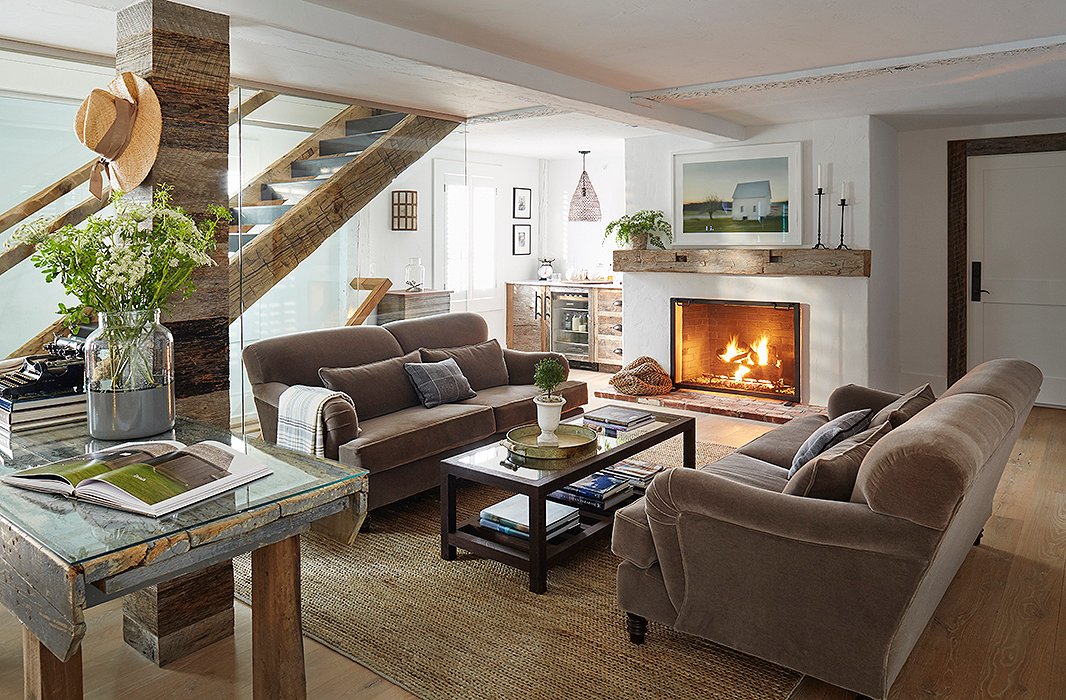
831,475
439,382
828,435
481,364
909,404
376,388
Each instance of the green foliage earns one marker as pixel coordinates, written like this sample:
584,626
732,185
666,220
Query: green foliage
548,374
649,221
138,258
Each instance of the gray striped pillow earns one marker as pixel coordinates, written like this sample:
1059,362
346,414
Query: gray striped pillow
439,382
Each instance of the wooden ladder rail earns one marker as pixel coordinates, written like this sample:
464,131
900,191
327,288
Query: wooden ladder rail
378,287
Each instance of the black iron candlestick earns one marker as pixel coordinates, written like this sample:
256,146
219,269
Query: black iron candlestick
843,203
819,245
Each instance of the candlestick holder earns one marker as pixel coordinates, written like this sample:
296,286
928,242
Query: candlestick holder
843,203
819,245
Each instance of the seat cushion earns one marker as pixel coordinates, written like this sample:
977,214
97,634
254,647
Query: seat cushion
415,433
439,382
631,538
376,388
750,471
831,475
780,444
482,364
512,404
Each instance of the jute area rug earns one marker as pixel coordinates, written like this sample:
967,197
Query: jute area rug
470,629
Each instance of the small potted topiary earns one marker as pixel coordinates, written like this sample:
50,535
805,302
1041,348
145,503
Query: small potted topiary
636,231
547,376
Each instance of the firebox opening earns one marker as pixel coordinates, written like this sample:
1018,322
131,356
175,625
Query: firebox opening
740,347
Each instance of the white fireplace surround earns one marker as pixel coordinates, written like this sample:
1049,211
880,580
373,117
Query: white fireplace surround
833,320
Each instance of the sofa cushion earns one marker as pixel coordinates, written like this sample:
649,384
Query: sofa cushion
851,397
512,404
439,331
377,388
749,471
481,364
415,433
631,538
836,430
779,445
831,475
909,404
438,382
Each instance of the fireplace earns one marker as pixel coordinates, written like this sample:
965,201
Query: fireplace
740,347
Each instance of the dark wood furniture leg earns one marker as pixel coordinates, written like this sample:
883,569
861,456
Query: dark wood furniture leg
538,544
690,446
637,627
277,636
447,516
44,676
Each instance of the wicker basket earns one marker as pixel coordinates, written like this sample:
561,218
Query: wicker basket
642,377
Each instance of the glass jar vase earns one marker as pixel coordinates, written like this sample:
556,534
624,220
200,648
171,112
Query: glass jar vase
414,275
129,376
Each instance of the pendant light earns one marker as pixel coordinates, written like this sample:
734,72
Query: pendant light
584,205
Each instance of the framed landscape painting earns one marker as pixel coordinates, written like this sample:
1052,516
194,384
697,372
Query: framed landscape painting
745,196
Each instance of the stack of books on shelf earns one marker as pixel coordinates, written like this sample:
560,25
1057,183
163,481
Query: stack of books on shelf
511,517
19,415
638,473
614,420
599,492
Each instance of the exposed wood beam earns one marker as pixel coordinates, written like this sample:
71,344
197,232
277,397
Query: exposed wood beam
35,345
75,215
250,105
34,203
378,287
276,252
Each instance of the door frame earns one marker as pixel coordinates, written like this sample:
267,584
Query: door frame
959,152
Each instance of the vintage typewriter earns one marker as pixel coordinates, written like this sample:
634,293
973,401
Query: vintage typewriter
60,372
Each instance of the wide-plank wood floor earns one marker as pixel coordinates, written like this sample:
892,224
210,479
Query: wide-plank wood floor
1000,631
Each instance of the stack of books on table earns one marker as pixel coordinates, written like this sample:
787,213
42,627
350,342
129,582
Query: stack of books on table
511,517
613,420
638,473
19,415
600,492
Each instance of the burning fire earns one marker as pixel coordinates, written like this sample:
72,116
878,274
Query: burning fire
745,357
741,371
761,348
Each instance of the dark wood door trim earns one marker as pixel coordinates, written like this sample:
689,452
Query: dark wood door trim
959,153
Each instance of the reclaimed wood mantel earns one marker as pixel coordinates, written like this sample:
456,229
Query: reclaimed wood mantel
747,261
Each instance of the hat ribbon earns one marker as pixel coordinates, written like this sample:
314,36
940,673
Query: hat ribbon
112,145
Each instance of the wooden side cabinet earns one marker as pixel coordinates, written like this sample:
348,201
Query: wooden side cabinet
527,327
607,321
529,321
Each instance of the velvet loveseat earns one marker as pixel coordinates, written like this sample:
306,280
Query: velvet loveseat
836,589
389,432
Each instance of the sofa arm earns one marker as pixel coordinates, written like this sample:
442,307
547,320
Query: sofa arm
853,397
520,364
342,424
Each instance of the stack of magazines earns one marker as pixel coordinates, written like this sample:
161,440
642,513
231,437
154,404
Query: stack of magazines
511,517
613,420
599,492
638,473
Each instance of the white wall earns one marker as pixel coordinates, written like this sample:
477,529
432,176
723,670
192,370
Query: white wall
883,196
579,244
923,225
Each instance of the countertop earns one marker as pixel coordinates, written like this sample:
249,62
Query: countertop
564,283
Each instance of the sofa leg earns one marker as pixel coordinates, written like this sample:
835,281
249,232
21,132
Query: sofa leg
980,534
637,627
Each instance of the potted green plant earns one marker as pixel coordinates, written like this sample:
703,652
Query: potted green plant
127,268
636,231
547,376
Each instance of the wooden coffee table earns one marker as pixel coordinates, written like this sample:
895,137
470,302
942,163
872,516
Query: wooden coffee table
487,465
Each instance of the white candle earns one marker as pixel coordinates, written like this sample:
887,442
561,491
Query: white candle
819,176
844,187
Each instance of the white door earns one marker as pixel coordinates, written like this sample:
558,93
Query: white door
1017,233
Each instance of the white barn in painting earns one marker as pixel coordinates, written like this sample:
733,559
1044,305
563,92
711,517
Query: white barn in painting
751,200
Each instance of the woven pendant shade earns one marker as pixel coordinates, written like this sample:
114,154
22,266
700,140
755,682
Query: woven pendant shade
584,205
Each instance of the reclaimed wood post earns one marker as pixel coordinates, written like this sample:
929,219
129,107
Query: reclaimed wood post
277,635
183,52
44,676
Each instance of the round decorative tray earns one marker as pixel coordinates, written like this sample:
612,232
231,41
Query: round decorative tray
574,441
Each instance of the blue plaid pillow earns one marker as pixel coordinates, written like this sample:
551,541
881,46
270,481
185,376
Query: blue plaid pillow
438,382
836,430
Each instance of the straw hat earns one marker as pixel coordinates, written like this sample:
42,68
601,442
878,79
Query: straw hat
122,124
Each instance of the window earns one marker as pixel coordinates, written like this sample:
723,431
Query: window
465,250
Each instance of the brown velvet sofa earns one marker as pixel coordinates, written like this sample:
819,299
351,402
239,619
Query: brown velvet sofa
402,448
840,591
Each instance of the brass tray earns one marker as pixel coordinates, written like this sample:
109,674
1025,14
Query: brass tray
574,441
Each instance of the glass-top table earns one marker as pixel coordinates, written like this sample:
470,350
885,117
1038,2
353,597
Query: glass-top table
492,465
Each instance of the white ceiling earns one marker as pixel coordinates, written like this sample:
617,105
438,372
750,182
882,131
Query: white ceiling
781,61
553,137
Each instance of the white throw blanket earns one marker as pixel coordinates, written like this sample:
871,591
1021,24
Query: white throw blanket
301,423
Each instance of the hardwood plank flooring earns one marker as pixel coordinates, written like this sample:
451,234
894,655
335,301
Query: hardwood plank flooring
999,632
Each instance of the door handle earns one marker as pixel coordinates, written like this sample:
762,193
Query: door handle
618,327
975,282
536,306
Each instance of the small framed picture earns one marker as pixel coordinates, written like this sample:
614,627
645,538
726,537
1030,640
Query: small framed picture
522,203
521,239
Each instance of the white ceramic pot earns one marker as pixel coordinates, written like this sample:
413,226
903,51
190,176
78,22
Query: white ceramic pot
549,411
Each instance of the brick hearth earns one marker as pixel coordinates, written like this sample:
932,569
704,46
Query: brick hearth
766,410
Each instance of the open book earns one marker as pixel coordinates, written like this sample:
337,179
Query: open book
150,478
